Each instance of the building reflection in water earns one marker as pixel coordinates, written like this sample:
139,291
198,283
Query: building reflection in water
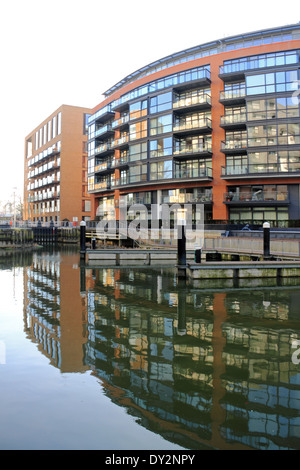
203,368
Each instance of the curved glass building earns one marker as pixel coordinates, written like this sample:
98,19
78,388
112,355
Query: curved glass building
216,125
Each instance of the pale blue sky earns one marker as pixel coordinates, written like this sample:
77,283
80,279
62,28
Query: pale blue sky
70,51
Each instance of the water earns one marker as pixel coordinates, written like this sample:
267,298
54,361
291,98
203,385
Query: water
130,359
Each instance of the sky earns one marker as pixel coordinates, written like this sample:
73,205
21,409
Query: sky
70,52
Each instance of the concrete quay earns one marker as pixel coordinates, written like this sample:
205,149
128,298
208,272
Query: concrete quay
243,270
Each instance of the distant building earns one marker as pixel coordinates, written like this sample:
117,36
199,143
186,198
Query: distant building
217,125
55,186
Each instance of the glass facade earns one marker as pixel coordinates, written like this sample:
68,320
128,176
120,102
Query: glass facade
169,129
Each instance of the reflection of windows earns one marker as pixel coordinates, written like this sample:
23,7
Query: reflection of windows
261,61
274,215
161,124
138,130
91,180
138,173
85,123
272,108
275,134
141,197
193,168
236,165
161,147
161,170
91,165
183,195
161,103
192,144
283,161
271,82
138,152
137,110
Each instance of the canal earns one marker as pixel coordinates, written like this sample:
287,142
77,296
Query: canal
131,358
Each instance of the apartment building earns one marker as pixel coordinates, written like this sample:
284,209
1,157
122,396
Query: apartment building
216,125
56,168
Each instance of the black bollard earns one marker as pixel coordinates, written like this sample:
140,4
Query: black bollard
82,237
93,243
197,254
266,227
181,244
181,250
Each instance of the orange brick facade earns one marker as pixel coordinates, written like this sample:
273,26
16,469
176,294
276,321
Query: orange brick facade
218,183
56,168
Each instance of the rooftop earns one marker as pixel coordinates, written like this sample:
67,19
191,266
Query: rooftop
265,36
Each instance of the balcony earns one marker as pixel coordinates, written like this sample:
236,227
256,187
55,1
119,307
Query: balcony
194,102
102,115
119,162
120,123
203,174
234,146
121,104
104,131
189,127
229,72
102,167
233,96
261,170
233,121
188,199
103,149
102,186
189,78
121,142
110,165
43,156
256,198
186,150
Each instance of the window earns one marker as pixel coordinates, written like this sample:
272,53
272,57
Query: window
193,168
59,123
138,152
161,103
91,148
85,124
138,173
91,165
138,130
138,110
49,130
161,124
236,165
28,148
271,82
193,144
260,61
161,147
53,127
274,134
91,183
161,170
